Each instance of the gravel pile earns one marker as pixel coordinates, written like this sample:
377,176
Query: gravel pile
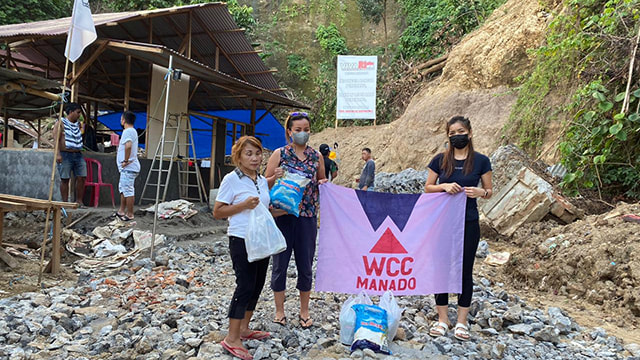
176,306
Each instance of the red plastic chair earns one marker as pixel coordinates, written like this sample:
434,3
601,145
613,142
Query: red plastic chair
96,185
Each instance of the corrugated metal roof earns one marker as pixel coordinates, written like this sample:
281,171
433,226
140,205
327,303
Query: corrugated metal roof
213,28
58,27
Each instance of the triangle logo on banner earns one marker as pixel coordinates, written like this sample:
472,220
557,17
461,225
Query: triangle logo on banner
388,244
378,206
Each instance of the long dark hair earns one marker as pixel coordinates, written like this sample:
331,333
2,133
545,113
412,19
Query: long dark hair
448,161
288,123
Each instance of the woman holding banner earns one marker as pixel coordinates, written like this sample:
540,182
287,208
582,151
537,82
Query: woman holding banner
459,169
240,191
300,232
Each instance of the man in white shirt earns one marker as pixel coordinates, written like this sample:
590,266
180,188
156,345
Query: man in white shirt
128,165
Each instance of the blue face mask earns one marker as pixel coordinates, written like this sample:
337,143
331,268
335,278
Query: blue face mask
300,138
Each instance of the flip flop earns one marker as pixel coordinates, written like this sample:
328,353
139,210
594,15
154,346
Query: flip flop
304,323
256,335
238,352
116,215
124,218
281,321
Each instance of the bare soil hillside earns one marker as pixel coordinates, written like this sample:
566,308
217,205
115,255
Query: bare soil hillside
476,82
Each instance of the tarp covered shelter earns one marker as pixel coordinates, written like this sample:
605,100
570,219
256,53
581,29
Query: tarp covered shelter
115,73
269,130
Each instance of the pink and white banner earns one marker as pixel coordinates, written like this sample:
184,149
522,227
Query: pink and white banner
410,244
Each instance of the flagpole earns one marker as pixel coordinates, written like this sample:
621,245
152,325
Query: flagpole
164,126
55,151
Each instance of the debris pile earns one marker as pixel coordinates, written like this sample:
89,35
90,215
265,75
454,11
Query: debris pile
407,181
176,208
596,259
176,307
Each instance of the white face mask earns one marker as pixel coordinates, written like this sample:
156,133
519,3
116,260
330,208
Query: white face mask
300,138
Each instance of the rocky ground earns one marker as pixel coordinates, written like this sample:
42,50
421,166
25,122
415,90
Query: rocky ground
175,308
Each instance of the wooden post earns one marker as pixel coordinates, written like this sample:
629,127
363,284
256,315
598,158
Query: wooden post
74,87
252,128
233,134
1,224
5,116
217,67
127,84
212,169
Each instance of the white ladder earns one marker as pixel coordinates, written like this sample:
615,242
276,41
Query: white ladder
160,177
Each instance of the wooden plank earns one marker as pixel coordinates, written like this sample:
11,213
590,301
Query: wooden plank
17,246
88,63
12,206
8,259
37,203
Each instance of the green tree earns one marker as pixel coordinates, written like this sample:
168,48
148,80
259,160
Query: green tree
435,25
20,11
331,40
374,11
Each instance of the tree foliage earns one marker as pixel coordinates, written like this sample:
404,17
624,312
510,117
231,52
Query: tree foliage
20,11
331,40
372,10
435,25
589,45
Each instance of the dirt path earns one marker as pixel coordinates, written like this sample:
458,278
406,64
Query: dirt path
584,312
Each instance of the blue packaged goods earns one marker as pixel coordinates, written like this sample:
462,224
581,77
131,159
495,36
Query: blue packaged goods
371,329
287,192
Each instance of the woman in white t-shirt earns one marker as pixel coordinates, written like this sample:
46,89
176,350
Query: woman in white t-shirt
240,191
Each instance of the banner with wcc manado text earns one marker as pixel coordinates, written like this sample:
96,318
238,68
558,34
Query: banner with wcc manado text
356,97
410,244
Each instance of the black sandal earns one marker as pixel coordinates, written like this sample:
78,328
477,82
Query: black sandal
304,322
281,321
124,218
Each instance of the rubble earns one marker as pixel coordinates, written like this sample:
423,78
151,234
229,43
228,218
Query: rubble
522,193
176,208
176,309
407,181
595,259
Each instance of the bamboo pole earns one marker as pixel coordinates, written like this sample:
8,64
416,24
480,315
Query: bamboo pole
56,146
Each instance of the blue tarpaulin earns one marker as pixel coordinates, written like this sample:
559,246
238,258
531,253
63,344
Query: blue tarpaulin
268,130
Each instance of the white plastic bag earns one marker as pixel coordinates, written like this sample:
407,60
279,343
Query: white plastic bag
263,237
394,312
348,316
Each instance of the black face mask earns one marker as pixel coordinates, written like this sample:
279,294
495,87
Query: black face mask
459,141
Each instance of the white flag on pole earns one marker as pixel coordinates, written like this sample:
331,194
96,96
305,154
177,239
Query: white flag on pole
82,31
